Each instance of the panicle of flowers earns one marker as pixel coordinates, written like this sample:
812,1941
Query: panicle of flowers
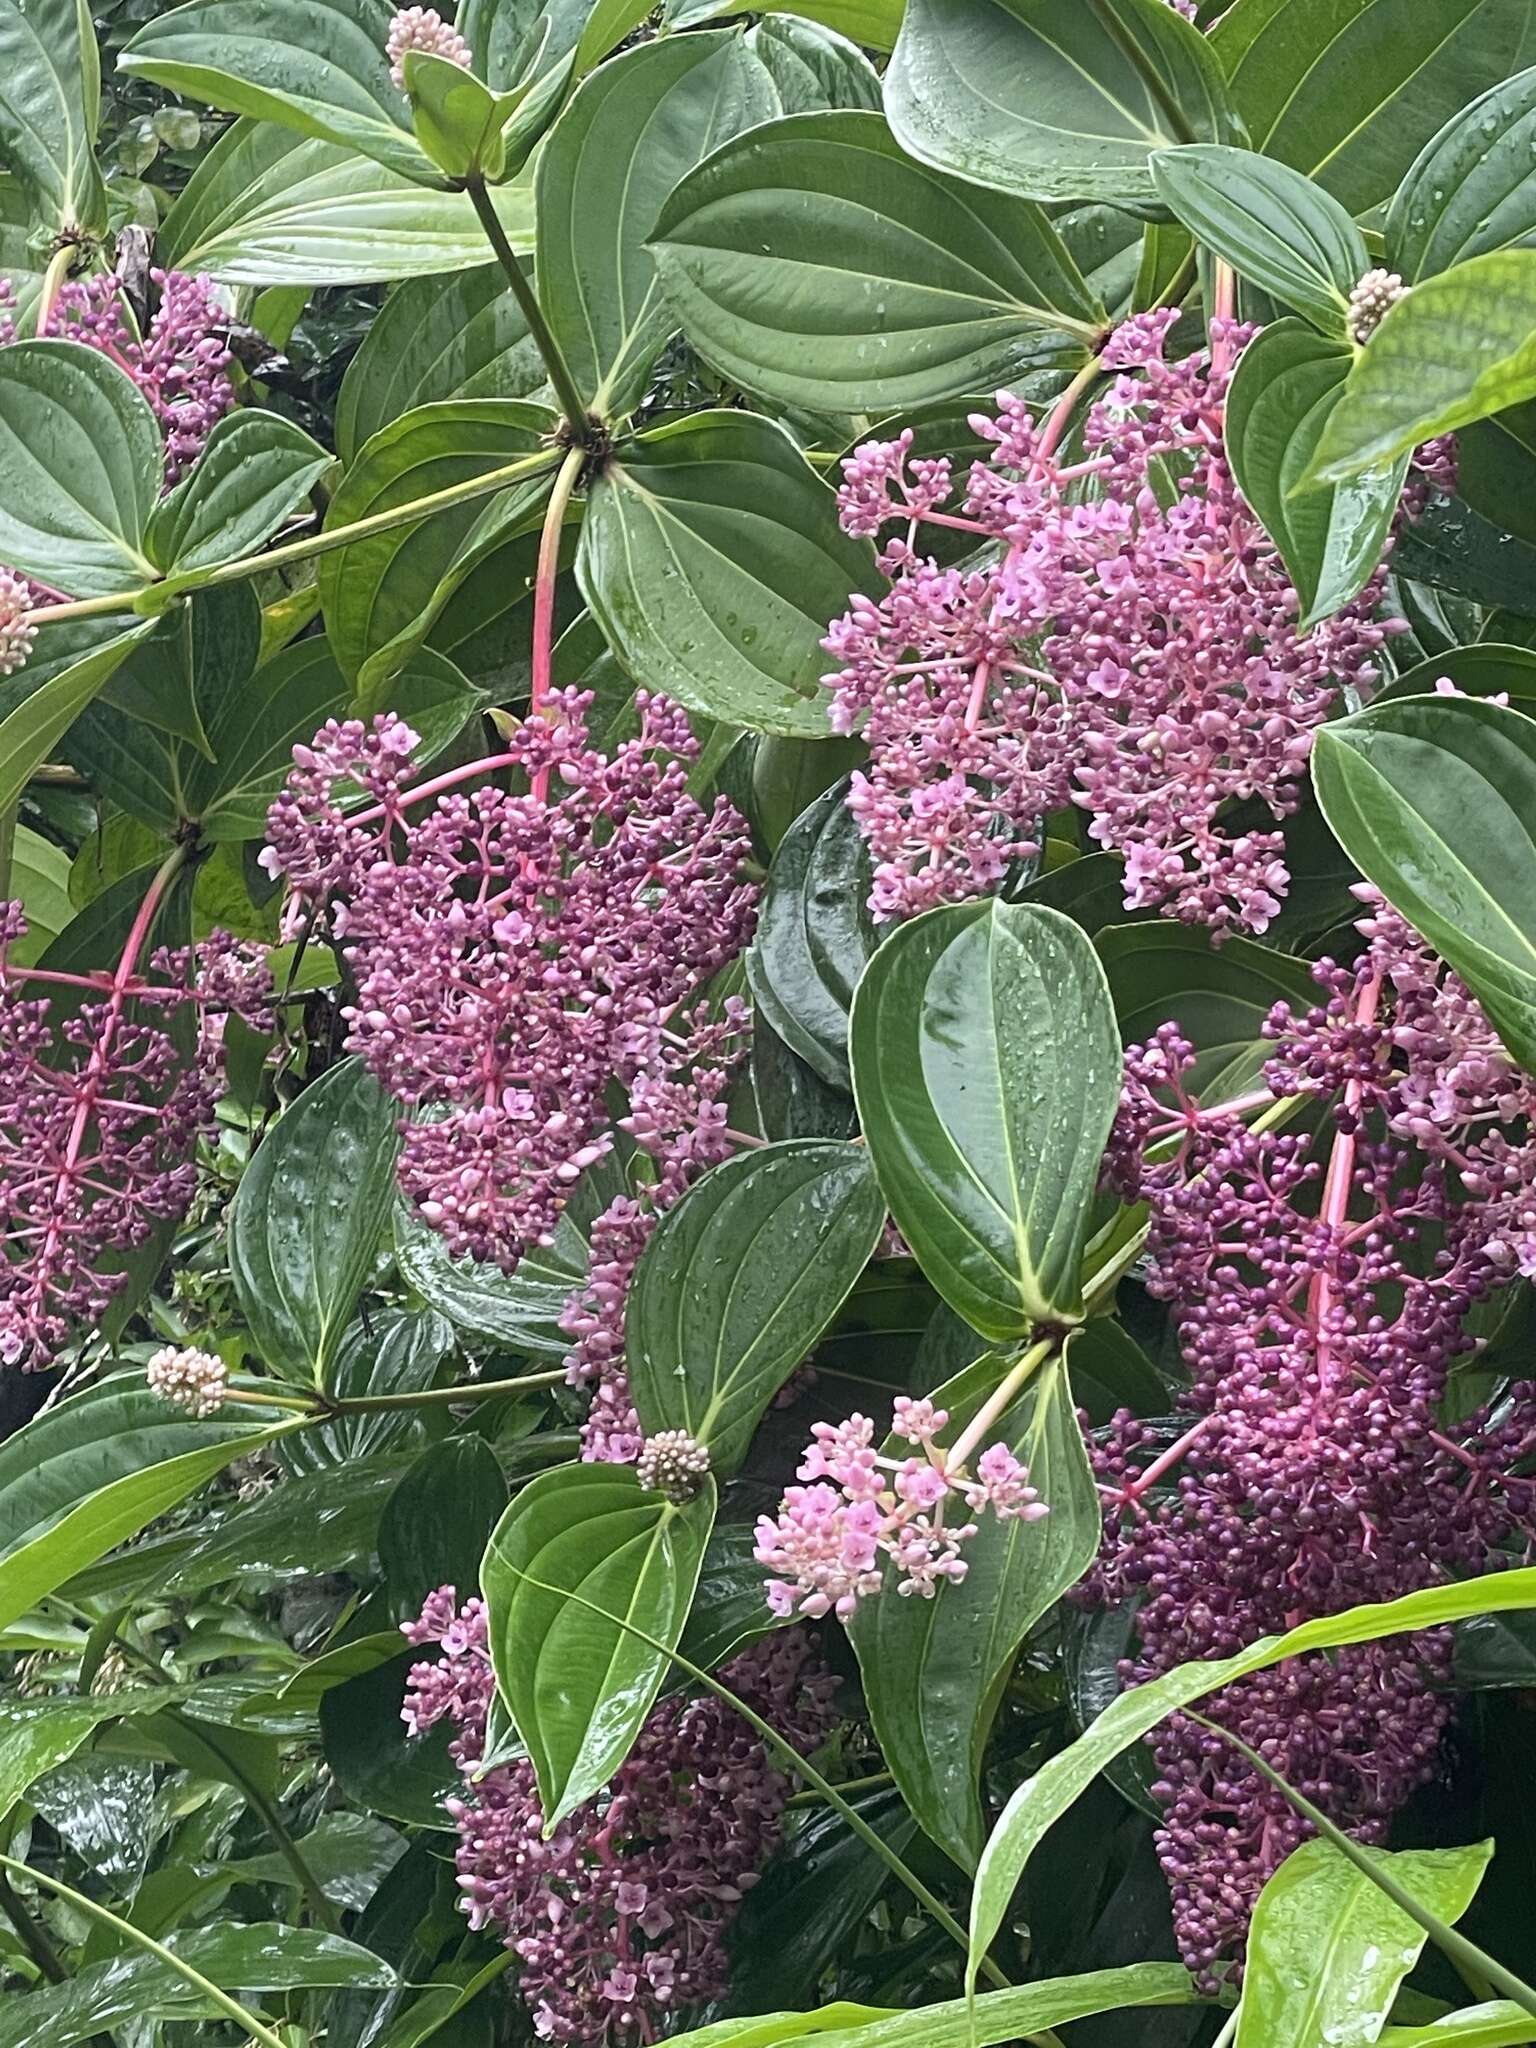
188,1378
515,957
828,1544
1128,644
180,363
619,1920
423,29
1320,1291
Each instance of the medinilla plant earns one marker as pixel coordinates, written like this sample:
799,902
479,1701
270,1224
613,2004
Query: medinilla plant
769,1007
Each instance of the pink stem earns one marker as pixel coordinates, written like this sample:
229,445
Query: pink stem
1336,1193
1166,1460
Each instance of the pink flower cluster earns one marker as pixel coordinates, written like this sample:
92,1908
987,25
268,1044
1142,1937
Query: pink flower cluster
516,957
423,29
828,1544
619,1920
1129,645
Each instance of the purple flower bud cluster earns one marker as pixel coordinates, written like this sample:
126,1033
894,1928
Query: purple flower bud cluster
515,957
1321,1288
1127,643
181,362
829,1541
619,1920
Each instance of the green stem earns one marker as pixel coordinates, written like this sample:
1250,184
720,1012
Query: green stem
1002,1397
429,1397
1466,1955
1103,12
31,1933
128,1932
577,418
319,1905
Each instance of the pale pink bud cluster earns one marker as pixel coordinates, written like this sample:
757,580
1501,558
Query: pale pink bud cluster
673,1463
1371,300
16,632
423,29
189,1378
830,1540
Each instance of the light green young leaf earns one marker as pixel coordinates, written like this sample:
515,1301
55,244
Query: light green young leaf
1498,2024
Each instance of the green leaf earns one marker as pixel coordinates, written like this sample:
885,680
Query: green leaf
1452,548
933,1668
986,1067
1498,2024
49,101
814,935
1458,347
1488,668
305,1224
1039,97
1350,90
812,66
1043,1798
577,1684
1473,188
267,207
1327,1949
631,131
1434,800
1274,226
712,558
373,589
812,261
457,118
436,338
132,1986
1287,384
80,468
438,1521
317,67
255,470
36,1736
396,1351
739,1281
729,1610
29,734
39,881
350,1854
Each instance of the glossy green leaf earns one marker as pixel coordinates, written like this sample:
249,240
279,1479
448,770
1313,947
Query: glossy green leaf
373,589
712,558
268,207
256,469
1450,548
315,66
377,1765
36,1736
133,1986
457,118
631,131
436,338
577,1683
1288,383
986,1066
1472,188
1327,1949
729,1610
30,733
738,1282
39,881
1488,668
305,1224
80,468
932,1668
50,96
393,1351
1043,1798
1458,347
812,66
1498,2024
813,261
1434,800
1349,91
1274,226
814,935
1039,97
438,1521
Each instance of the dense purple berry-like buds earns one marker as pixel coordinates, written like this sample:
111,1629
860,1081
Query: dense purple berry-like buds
423,29
619,1920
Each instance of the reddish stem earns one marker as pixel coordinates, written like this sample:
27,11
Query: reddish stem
1336,1192
1165,1460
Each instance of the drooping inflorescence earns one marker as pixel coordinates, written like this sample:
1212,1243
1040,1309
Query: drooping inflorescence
620,1918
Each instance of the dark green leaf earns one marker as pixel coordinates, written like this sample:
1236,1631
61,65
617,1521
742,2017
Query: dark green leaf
1488,668
267,207
814,935
1493,1652
1434,799
397,1351
256,469
1458,347
30,733
1287,384
986,1066
729,1609
1274,226
790,1098
37,1736
436,338
438,1521
1096,1641
712,558
315,66
375,1763
305,1225
1452,549
812,261
1473,188
932,1667
49,102
1040,97
1350,90
631,131
813,67
738,1282
80,468
1327,1949
577,1683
